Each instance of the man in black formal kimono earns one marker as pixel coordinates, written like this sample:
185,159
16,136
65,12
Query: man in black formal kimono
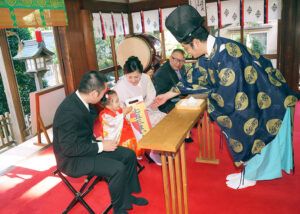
78,154
168,76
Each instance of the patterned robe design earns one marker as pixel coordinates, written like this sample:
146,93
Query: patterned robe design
247,96
114,126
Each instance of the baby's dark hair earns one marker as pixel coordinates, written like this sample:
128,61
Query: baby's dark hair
106,99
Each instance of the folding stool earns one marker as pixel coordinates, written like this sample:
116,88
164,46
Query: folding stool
87,186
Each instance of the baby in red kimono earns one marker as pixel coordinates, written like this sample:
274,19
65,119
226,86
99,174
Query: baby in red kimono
113,125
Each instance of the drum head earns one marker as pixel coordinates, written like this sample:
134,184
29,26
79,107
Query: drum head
134,46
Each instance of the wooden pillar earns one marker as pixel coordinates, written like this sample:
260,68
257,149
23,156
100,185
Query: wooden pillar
71,47
11,90
290,38
89,40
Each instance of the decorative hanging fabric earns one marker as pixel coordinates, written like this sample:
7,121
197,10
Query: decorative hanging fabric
97,25
125,23
230,11
212,14
199,5
136,22
107,24
118,24
254,11
274,9
34,13
151,20
165,13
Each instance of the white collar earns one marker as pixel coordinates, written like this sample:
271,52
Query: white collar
84,103
210,44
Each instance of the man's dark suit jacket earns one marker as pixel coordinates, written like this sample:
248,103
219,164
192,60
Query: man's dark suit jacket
72,137
164,79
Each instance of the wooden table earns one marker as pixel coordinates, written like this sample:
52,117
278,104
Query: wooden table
167,137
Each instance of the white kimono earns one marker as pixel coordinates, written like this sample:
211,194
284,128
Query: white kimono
144,88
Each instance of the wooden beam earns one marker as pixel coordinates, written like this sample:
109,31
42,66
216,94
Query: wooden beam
104,7
11,90
155,4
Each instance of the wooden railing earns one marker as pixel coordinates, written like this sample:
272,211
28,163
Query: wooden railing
6,134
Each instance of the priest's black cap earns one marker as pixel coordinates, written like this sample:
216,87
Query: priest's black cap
184,21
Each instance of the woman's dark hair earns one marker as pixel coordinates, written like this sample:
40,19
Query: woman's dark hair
105,100
133,64
92,80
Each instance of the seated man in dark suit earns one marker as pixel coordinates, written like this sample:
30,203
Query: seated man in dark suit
167,77
78,154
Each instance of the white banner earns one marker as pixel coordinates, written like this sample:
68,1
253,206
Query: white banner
199,5
212,14
165,13
254,11
151,20
230,12
136,22
97,25
118,24
274,9
126,23
108,25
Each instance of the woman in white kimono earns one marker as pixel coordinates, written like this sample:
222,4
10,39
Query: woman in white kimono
133,84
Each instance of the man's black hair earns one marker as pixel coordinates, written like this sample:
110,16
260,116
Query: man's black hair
92,80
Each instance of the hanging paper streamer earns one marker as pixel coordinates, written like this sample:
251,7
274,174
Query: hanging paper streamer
266,12
113,22
126,24
160,20
108,24
212,14
165,13
219,14
274,9
230,11
118,24
136,22
242,15
102,26
151,20
97,25
143,21
254,11
199,5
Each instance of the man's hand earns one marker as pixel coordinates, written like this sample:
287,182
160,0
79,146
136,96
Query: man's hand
127,110
109,145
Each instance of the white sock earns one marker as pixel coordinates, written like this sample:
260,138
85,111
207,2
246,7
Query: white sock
233,176
240,184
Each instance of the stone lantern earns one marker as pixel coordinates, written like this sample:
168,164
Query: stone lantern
36,57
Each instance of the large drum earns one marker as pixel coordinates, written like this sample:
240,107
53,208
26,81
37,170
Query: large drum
143,46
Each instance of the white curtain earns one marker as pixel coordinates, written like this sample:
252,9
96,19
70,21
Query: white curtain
230,12
199,5
254,11
151,20
97,25
212,14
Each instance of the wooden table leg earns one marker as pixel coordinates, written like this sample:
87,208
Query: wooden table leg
178,181
166,182
184,178
172,183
